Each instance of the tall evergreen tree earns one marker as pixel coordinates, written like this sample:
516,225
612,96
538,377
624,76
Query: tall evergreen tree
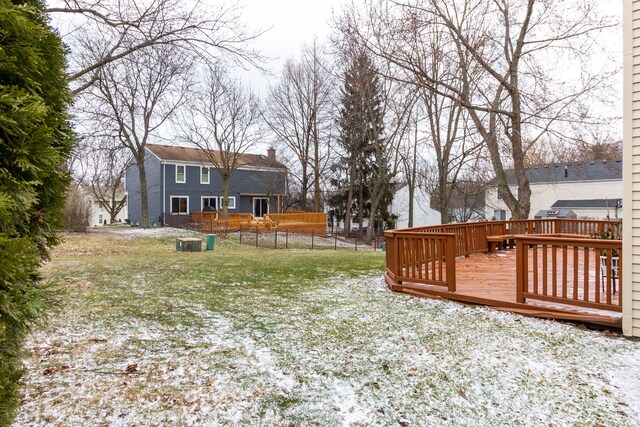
361,124
36,142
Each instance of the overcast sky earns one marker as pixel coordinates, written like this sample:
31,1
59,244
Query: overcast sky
290,24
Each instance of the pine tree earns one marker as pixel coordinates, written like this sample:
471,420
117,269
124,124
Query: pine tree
36,142
361,123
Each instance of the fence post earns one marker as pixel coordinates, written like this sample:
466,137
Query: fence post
275,244
335,242
256,236
240,233
520,270
451,263
286,239
356,239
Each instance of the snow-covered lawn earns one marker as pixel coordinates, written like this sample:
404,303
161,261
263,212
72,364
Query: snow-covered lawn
308,346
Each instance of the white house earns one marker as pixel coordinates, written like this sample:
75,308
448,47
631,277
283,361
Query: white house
423,215
99,214
592,189
631,156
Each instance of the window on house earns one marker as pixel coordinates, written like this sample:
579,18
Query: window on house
499,195
181,172
209,204
204,175
179,205
232,202
500,215
100,219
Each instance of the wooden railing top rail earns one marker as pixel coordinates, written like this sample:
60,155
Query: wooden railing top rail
560,239
436,228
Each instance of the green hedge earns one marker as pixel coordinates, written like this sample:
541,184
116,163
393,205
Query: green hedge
36,142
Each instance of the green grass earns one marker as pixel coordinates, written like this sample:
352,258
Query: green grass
246,336
219,278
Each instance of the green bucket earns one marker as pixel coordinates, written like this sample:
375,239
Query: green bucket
211,242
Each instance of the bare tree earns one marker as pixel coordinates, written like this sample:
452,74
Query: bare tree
103,32
502,49
299,112
397,105
106,179
222,125
133,99
409,156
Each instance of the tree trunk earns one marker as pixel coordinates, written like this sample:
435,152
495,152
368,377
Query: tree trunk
360,207
375,202
347,211
316,168
411,182
144,195
305,187
225,198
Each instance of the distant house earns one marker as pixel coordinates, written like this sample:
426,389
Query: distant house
423,214
181,180
99,214
591,189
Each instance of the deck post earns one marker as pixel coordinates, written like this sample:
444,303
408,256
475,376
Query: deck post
520,270
451,263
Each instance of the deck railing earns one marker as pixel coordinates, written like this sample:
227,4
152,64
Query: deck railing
427,258
212,222
300,222
558,269
422,254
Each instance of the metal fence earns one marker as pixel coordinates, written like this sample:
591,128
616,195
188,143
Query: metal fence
285,239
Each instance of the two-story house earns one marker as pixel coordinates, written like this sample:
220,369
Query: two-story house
181,180
591,189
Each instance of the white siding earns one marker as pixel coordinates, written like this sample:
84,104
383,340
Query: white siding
543,195
422,214
631,169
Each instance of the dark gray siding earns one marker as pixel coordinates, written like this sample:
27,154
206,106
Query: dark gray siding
244,185
152,167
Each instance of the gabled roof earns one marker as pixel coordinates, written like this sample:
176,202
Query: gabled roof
590,203
594,170
188,154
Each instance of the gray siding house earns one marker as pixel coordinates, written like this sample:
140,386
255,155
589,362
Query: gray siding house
181,180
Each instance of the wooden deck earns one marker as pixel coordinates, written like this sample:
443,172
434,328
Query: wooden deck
490,280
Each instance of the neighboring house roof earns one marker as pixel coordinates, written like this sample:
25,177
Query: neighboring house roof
188,154
559,213
587,204
594,170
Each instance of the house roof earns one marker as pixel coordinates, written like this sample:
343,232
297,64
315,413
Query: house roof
594,170
590,203
189,154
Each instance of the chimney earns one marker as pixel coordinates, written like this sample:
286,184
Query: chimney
271,153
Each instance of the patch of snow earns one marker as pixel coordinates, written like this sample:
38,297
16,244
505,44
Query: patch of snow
342,352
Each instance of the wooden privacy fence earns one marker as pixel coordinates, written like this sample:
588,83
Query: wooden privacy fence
212,222
300,222
558,269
